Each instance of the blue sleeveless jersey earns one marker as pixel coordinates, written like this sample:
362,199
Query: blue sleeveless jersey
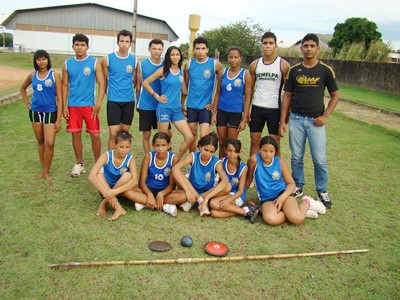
202,177
113,173
120,78
158,177
171,87
232,92
201,83
82,81
44,93
145,100
234,178
268,179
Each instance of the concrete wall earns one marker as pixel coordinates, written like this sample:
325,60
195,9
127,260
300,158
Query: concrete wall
375,76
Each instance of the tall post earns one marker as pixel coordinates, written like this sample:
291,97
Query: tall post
133,48
194,26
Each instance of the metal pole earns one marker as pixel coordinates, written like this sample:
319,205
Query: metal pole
133,48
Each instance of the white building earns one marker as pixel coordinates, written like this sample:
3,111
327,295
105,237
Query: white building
52,28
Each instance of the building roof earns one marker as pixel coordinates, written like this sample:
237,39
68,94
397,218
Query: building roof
324,40
87,15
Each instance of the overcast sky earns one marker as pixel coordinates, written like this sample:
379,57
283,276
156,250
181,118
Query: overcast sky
290,20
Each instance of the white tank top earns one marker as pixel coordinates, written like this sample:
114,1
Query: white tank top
269,83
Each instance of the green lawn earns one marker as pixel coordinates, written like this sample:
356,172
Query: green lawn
382,100
45,223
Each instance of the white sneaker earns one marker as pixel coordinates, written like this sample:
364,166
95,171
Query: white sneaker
317,206
311,214
170,209
186,206
77,170
205,211
139,206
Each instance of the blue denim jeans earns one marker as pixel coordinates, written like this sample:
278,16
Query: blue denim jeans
301,128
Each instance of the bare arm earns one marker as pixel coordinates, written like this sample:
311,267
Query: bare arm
290,186
24,86
248,92
101,82
322,120
146,84
65,86
252,71
216,99
251,164
138,81
58,82
104,65
286,101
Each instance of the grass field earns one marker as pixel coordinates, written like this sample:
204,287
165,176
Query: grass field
45,223
386,101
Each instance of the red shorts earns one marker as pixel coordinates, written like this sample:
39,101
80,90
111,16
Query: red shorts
77,114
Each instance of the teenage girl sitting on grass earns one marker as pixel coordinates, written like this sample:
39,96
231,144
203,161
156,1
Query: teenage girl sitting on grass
231,204
275,187
155,177
115,173
200,185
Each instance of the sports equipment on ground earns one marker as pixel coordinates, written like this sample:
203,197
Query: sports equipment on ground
159,246
187,241
202,260
216,248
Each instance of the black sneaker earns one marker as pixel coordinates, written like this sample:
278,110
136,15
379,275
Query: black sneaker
252,214
324,198
298,192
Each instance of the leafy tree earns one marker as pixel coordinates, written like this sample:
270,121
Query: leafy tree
245,34
8,39
185,49
354,30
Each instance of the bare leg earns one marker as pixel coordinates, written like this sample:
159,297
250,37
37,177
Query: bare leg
102,210
278,141
49,139
176,197
119,211
39,133
146,141
136,195
294,212
255,138
112,133
217,211
77,145
270,214
188,138
204,129
96,145
222,132
193,144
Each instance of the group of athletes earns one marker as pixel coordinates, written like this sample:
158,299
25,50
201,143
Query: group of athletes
191,96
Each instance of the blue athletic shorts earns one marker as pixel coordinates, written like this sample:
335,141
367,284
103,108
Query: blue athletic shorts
198,115
169,114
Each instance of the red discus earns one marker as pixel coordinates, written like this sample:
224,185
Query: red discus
216,248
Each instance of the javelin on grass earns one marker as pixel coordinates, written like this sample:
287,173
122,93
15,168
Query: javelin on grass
203,260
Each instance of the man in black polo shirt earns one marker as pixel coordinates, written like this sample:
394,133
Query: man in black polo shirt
304,98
